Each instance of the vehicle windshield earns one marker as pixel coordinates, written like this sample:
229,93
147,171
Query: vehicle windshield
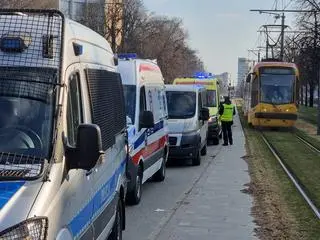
181,105
130,101
26,112
212,98
277,89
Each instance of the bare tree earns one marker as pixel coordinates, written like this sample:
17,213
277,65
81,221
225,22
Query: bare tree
305,50
158,37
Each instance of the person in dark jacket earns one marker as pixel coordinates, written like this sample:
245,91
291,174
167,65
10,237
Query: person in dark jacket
227,111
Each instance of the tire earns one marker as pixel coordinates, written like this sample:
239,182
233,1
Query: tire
196,161
134,197
204,150
216,141
116,233
160,175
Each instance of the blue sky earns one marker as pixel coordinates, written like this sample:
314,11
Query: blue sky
221,30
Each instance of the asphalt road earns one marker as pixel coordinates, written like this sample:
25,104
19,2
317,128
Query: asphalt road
160,200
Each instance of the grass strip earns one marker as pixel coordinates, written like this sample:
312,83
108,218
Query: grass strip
308,114
279,210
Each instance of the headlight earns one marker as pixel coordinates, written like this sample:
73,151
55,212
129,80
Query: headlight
213,119
31,229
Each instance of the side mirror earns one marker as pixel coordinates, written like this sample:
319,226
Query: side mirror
204,114
116,60
146,120
88,148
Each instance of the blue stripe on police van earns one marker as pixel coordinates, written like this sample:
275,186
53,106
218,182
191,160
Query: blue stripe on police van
157,127
140,140
104,195
131,132
7,190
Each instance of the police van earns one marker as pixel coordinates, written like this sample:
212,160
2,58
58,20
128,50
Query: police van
146,109
63,130
188,122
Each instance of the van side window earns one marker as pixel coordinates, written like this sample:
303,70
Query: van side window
204,99
199,102
164,102
255,92
74,110
143,104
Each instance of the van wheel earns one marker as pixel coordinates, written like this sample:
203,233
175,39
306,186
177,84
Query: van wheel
215,141
204,150
160,175
134,196
116,233
197,159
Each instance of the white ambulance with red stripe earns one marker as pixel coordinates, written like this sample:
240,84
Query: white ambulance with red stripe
147,115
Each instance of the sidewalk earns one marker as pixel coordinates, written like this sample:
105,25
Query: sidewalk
216,208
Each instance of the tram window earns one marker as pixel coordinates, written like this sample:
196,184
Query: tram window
255,92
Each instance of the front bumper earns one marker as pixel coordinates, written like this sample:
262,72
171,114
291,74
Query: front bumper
282,116
185,149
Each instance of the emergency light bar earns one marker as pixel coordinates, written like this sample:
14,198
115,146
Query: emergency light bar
203,75
127,56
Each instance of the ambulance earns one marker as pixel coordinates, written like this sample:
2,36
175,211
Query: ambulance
213,94
62,130
147,120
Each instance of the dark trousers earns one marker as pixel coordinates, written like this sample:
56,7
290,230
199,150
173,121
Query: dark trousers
227,132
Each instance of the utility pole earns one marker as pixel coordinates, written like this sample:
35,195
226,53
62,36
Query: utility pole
282,36
267,47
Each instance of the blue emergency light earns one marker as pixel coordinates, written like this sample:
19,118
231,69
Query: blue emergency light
127,56
203,75
12,44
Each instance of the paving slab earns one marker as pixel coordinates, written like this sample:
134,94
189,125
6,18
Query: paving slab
216,208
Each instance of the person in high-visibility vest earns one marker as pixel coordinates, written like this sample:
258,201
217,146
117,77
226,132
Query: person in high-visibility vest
227,111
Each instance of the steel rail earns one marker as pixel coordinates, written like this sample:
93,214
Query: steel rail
292,178
308,144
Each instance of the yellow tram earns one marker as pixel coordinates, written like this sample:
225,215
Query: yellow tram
271,93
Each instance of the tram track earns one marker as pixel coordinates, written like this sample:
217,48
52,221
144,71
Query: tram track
290,172
308,143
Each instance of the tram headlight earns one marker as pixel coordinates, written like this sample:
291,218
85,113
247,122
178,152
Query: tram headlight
30,229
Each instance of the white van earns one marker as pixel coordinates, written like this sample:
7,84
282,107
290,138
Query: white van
146,109
188,122
62,130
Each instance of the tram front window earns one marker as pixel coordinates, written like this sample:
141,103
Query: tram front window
277,89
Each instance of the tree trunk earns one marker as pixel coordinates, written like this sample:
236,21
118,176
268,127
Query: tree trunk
301,94
306,96
311,92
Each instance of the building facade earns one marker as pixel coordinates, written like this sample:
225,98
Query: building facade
224,81
243,69
114,23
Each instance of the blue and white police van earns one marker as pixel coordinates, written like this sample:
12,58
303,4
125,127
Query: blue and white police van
147,119
62,130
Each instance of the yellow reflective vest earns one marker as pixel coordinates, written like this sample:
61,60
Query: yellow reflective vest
227,115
